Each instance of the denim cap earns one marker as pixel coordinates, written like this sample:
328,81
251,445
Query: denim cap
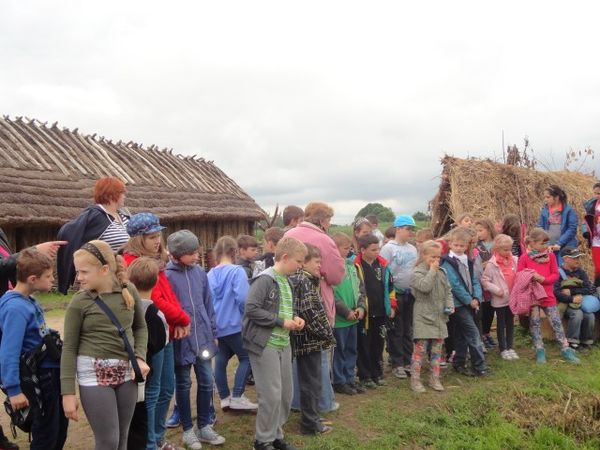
182,242
143,223
404,220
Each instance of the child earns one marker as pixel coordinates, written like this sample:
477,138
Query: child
422,236
465,220
229,289
23,331
466,291
292,216
511,226
268,320
248,250
94,350
374,221
143,273
401,257
389,234
190,285
272,236
571,289
485,240
498,279
146,240
543,262
360,227
433,305
308,343
375,274
349,309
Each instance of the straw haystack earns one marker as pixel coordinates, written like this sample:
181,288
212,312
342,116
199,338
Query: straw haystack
490,189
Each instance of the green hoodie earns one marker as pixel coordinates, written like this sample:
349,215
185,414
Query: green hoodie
349,295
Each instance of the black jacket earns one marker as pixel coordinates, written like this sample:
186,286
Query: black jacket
8,265
585,289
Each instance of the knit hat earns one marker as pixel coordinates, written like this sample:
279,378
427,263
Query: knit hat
182,242
404,220
143,223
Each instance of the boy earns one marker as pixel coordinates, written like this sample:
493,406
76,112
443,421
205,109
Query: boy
570,289
349,309
373,271
311,341
190,285
143,273
292,217
268,320
401,257
374,220
272,236
248,250
466,291
389,234
23,330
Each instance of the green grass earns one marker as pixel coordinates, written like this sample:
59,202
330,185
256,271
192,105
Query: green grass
53,300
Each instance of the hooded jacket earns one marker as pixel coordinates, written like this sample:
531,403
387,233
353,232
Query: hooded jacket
190,285
493,282
549,270
460,290
389,300
229,289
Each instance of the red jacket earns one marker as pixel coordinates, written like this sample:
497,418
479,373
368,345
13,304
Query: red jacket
164,298
548,270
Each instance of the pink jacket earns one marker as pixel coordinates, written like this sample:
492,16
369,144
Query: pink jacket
526,293
548,270
493,281
332,264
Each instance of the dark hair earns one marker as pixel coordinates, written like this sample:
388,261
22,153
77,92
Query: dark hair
373,219
143,273
488,225
596,185
390,233
312,252
291,213
511,225
273,234
245,241
367,240
556,191
32,262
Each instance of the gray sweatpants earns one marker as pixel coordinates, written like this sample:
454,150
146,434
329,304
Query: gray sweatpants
273,382
109,411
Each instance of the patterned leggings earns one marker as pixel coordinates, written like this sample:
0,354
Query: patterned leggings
419,351
535,326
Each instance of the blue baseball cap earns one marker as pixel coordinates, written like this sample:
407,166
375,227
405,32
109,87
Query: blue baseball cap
144,223
404,220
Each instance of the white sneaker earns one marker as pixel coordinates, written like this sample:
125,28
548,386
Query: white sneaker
210,436
506,355
225,403
242,403
513,354
190,440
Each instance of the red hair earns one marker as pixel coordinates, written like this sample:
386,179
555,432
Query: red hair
108,189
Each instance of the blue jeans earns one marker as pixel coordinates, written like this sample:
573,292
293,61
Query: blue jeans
344,355
580,326
204,380
467,338
162,388
228,346
153,385
327,398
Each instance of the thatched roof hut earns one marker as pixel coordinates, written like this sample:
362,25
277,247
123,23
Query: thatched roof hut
490,189
48,172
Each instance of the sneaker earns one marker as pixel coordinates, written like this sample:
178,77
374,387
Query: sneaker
326,429
408,370
463,371
416,385
399,372
210,436
443,363
174,421
166,445
225,402
540,356
368,384
482,372
436,384
506,355
190,440
325,421
358,388
262,446
513,354
280,444
380,382
242,403
569,355
345,389
488,341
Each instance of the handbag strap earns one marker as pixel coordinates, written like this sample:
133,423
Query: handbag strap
136,367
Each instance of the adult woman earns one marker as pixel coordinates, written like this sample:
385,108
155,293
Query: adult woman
105,220
558,219
592,220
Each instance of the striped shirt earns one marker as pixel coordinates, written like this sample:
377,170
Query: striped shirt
280,337
115,233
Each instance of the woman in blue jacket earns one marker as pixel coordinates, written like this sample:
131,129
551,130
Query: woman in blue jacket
558,219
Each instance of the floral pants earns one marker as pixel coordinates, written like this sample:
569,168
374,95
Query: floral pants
535,326
419,351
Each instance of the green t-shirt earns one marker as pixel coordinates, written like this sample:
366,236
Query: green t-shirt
280,337
348,291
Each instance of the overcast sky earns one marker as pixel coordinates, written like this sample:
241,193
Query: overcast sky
345,102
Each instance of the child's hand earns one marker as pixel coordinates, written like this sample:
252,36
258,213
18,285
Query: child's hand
299,323
537,277
290,325
475,304
351,315
434,264
577,299
566,291
70,406
555,248
360,313
19,401
144,368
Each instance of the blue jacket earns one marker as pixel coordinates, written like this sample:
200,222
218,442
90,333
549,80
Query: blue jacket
190,285
22,327
568,226
460,291
229,289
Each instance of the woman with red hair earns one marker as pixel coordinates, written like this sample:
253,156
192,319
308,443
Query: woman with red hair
105,220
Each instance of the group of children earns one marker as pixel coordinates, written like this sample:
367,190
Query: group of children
144,318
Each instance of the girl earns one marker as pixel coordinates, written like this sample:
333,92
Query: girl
512,226
542,261
465,220
558,219
146,240
360,227
433,305
229,288
485,239
497,279
94,351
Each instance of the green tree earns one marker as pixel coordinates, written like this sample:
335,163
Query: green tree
383,213
420,216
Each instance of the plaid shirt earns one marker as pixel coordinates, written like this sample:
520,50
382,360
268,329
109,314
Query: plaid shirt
316,334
